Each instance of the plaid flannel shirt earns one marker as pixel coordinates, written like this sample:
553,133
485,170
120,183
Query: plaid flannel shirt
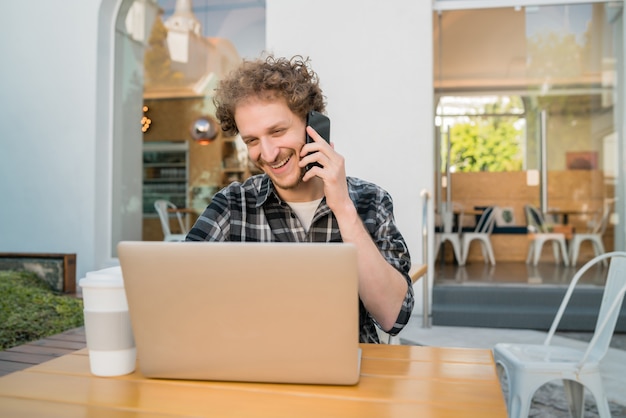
252,211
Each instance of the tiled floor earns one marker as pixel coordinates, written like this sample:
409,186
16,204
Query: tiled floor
503,273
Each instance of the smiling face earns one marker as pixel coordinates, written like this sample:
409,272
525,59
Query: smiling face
274,136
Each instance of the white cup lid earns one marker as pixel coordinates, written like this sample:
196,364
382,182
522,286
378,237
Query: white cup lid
108,277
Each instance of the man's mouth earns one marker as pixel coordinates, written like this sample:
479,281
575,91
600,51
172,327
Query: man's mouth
280,163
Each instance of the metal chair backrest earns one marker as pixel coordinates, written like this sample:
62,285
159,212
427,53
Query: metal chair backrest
612,299
487,221
600,227
534,219
162,208
452,218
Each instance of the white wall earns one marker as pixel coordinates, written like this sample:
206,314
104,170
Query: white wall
47,127
374,60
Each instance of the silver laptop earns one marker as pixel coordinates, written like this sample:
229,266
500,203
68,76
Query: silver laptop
257,312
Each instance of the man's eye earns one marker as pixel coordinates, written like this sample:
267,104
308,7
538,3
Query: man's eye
278,131
250,141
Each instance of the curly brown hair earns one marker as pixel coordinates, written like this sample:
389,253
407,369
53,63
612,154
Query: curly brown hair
269,79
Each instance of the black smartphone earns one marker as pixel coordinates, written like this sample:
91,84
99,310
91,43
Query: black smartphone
321,124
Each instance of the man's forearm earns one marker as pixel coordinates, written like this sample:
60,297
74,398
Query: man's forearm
382,288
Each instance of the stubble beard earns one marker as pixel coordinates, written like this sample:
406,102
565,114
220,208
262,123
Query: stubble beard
277,182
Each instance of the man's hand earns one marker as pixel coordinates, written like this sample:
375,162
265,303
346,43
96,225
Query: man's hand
332,172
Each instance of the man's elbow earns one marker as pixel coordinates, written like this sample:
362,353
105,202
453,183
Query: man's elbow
397,322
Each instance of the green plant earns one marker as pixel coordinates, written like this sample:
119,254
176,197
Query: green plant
30,310
485,145
488,136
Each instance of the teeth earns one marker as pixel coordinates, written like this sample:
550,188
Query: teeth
281,163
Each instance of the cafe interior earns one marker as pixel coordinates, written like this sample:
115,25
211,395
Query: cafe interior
525,126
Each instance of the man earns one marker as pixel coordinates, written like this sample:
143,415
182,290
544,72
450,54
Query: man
266,102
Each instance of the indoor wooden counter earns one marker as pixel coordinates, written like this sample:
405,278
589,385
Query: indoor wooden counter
396,381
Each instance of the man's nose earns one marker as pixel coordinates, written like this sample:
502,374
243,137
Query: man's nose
269,151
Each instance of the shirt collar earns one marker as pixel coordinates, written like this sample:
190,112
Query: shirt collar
266,189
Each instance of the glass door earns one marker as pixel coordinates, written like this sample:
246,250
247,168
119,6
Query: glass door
526,101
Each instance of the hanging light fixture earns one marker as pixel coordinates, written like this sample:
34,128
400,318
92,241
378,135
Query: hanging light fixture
204,130
145,120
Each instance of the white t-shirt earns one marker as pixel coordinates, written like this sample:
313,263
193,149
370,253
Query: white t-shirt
305,211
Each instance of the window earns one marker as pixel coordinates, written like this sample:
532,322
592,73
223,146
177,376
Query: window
482,133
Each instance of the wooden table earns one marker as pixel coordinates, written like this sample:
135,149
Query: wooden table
417,271
565,213
396,381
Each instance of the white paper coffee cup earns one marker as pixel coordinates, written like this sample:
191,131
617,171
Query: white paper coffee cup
108,330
